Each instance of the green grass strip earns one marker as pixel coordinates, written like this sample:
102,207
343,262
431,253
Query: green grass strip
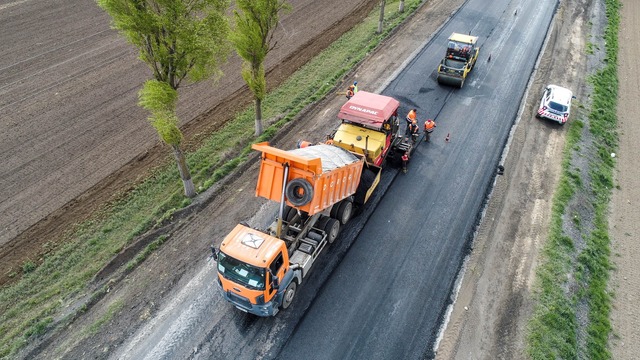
27,307
554,328
595,259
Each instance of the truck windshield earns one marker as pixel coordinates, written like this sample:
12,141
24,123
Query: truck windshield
245,274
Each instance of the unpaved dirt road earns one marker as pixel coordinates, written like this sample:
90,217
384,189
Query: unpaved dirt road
71,134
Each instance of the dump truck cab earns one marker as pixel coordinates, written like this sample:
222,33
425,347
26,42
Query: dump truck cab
460,58
250,266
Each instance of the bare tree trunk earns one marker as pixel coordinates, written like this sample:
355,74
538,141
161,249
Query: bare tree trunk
381,16
401,9
185,175
258,117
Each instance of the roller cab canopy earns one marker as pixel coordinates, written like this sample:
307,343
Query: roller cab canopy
464,39
462,47
369,110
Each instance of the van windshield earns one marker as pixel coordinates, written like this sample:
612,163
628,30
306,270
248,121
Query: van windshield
245,274
557,107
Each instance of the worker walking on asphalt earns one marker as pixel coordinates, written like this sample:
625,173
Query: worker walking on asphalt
429,126
355,87
414,131
411,117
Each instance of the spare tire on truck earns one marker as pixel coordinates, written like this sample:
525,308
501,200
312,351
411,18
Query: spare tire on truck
299,192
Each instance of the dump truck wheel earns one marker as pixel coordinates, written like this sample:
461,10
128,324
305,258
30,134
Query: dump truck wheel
345,210
289,213
332,228
289,294
299,192
334,210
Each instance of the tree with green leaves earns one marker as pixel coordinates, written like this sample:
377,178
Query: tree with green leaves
178,39
255,25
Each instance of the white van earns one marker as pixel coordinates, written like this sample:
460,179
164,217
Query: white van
555,104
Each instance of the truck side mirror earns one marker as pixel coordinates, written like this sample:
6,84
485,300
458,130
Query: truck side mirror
574,97
275,282
214,253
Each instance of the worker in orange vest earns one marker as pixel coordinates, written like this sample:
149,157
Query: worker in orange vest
329,140
350,92
411,117
429,126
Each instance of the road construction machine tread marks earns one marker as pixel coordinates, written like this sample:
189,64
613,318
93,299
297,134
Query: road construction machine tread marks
366,180
299,192
289,294
332,228
345,210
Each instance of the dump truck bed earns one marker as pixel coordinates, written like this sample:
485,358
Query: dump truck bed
332,172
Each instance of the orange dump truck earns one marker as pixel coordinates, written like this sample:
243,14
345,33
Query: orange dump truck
317,188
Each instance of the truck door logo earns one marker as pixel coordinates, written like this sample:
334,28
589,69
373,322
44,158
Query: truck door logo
252,240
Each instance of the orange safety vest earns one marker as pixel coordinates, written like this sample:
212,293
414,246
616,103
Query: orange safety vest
429,125
350,91
411,115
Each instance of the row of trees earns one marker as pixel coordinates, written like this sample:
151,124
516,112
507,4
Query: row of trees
190,40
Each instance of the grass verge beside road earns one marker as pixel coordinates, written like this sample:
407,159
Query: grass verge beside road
571,319
29,306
